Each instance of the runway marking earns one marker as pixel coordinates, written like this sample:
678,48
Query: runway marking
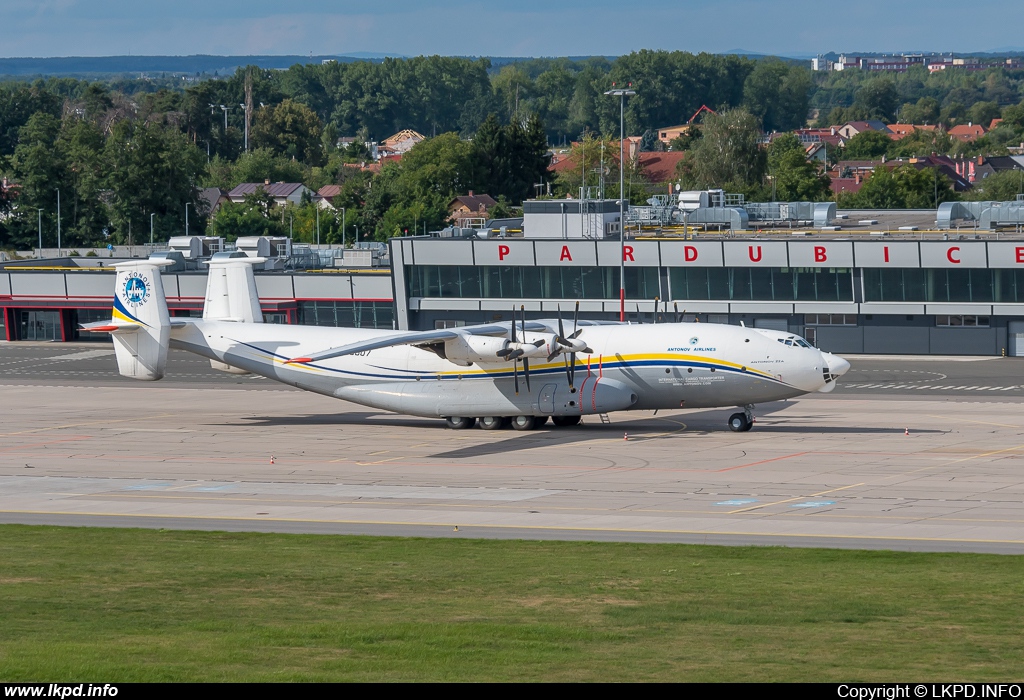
377,501
464,529
44,444
981,422
795,498
956,461
754,464
79,425
380,461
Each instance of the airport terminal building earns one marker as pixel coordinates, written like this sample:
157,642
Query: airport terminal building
848,291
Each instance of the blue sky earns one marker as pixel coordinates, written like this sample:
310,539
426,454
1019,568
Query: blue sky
506,28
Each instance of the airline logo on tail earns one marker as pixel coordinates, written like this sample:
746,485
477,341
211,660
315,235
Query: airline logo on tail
136,290
135,293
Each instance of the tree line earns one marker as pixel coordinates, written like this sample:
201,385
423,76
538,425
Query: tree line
126,154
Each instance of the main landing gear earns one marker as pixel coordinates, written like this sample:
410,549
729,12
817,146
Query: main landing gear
742,422
517,422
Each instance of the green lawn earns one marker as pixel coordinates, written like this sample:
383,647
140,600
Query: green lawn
90,604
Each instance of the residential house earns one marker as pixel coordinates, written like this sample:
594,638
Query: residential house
211,199
327,194
967,132
282,192
668,133
470,206
659,167
400,143
903,130
851,129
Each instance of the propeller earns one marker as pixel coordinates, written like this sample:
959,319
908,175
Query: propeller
538,343
514,349
571,344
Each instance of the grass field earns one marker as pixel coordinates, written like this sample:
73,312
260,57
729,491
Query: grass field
80,604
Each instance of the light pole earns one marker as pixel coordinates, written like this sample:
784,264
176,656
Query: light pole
186,217
342,228
58,222
40,233
246,110
225,109
151,228
318,226
622,95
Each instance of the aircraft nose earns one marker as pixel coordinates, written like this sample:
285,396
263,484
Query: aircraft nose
837,365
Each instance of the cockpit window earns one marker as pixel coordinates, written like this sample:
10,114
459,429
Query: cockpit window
795,341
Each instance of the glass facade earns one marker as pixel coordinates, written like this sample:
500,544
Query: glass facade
944,285
347,314
39,325
82,316
761,283
546,282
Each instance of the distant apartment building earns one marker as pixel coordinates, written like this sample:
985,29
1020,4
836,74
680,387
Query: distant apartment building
900,63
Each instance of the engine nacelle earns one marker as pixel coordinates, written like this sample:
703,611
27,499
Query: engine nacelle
473,349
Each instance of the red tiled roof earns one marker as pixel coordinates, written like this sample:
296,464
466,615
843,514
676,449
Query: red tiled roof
329,191
659,166
967,132
845,184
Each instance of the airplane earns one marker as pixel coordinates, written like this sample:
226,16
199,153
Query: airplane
520,373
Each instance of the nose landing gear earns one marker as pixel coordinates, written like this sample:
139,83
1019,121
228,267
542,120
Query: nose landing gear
742,422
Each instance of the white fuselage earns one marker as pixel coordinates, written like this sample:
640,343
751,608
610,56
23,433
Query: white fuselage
673,365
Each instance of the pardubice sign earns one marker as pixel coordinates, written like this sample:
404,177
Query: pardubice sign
745,253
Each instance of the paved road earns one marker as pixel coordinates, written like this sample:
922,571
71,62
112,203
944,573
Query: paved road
80,445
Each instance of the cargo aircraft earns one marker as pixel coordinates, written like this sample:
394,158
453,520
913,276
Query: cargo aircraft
519,372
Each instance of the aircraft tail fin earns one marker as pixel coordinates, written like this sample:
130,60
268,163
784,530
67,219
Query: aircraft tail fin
140,324
231,291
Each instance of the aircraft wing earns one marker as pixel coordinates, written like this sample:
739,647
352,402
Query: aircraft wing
416,338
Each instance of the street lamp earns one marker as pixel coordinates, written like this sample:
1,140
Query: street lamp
342,229
151,228
622,94
246,110
58,221
186,217
40,233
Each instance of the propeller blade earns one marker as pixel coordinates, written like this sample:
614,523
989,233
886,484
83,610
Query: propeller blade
575,320
561,331
515,375
526,373
513,326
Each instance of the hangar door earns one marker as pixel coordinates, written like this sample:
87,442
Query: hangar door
1015,339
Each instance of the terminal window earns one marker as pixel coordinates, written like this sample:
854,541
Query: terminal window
961,321
830,320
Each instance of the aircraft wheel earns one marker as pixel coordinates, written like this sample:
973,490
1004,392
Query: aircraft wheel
491,423
738,423
565,421
540,421
524,422
459,423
